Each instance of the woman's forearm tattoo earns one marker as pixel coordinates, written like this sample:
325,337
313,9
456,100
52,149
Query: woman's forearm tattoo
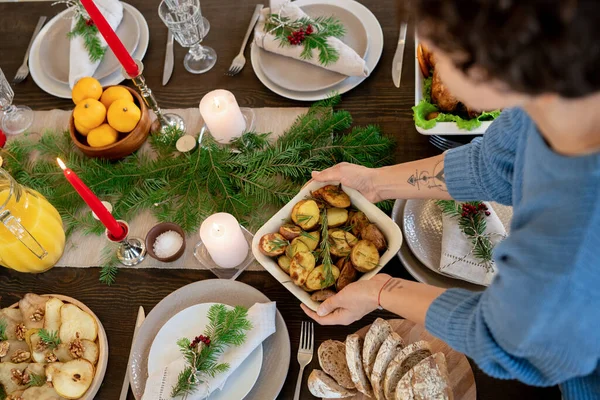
434,180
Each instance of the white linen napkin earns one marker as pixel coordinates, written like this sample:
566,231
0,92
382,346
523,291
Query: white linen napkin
349,62
457,250
262,317
80,64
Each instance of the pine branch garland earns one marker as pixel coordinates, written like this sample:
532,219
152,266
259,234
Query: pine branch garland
186,188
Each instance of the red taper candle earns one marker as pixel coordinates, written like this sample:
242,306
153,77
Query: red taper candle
111,38
115,230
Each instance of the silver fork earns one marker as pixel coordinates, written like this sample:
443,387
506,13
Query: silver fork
239,61
23,70
305,352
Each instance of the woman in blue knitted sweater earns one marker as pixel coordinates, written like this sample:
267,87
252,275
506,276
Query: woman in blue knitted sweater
539,320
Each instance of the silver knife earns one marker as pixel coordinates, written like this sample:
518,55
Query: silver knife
140,318
399,56
168,70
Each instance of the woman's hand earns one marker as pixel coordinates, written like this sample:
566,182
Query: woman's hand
351,304
353,176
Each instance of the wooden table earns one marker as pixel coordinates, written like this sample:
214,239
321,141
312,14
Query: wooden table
375,101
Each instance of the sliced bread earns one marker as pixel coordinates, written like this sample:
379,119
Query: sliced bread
332,359
388,350
379,331
323,386
428,380
354,345
410,356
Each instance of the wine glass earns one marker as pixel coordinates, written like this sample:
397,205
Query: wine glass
15,119
184,19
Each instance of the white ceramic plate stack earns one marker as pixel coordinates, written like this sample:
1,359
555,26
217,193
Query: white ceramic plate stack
421,223
298,80
49,55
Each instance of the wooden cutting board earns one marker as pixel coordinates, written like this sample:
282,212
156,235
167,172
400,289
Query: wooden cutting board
459,369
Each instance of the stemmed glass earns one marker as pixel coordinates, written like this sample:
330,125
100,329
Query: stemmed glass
184,19
15,119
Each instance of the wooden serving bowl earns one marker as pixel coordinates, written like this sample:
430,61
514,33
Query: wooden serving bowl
127,142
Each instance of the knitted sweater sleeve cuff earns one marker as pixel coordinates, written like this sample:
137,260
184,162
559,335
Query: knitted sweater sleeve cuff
448,315
460,172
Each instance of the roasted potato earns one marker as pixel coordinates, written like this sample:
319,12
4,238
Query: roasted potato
322,295
284,263
364,256
317,276
306,214
348,275
372,233
333,195
341,242
336,217
358,220
311,239
290,231
301,266
296,247
273,244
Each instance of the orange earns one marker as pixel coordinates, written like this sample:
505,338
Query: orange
115,93
89,114
81,129
123,115
86,88
101,136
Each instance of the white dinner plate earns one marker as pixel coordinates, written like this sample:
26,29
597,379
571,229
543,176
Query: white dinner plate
375,49
423,229
190,323
300,76
55,46
62,90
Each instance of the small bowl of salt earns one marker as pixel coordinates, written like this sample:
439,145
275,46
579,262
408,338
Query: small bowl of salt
165,242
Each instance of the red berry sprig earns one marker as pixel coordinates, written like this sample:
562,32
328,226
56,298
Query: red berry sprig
200,339
470,210
89,22
298,36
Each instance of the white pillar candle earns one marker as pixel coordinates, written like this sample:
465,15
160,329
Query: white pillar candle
222,115
224,240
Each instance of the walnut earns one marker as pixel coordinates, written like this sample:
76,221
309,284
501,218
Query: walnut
13,397
37,315
20,356
76,348
51,357
20,331
21,378
41,346
4,346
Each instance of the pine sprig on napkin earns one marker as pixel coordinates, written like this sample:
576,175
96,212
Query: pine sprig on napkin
313,35
226,328
471,220
89,32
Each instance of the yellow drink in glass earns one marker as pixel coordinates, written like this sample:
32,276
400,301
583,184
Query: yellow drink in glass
32,238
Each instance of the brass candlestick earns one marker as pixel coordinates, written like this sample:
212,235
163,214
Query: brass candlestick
163,121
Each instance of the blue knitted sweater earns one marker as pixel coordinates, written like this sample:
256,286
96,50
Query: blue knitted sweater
539,320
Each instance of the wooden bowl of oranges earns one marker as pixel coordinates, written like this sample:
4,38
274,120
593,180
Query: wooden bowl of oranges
110,122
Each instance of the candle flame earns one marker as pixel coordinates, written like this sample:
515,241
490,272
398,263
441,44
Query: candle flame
61,163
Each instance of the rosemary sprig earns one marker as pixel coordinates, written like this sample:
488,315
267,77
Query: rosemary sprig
3,330
91,41
328,280
50,338
35,380
279,244
304,218
324,27
226,328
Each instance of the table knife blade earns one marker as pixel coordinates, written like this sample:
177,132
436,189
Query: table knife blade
140,319
168,69
399,56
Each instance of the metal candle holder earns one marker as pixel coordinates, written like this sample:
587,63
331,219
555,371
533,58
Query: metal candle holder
131,250
163,121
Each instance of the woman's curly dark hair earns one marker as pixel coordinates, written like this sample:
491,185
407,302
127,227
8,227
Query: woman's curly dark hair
534,46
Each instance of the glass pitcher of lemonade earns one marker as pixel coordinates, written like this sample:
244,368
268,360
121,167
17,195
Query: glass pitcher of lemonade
32,238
